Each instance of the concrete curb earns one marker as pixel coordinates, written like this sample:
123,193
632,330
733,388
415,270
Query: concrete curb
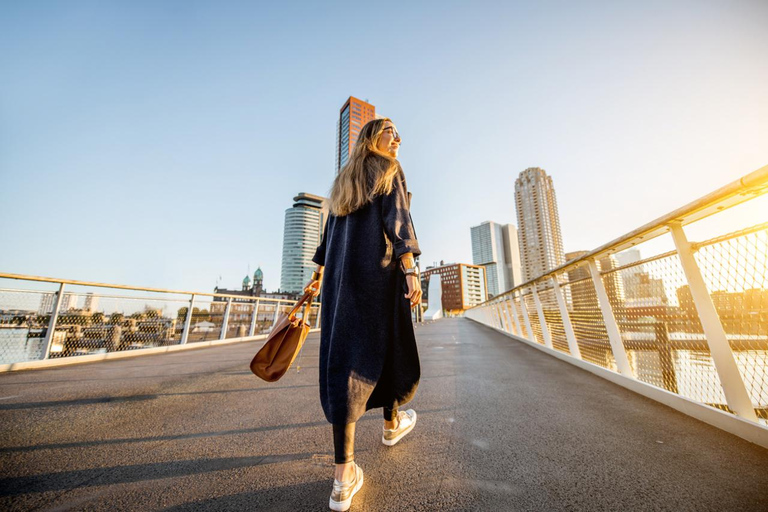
752,432
66,361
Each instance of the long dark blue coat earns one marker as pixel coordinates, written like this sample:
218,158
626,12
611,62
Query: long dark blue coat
368,355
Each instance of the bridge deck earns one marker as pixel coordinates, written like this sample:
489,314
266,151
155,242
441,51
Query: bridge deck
501,426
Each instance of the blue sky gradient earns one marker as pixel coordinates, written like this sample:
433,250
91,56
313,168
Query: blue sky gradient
159,143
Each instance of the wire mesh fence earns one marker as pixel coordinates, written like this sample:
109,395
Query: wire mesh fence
43,319
514,320
206,321
519,303
735,269
660,327
587,319
23,324
553,318
240,319
529,303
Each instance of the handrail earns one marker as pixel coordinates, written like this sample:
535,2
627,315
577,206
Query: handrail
4,275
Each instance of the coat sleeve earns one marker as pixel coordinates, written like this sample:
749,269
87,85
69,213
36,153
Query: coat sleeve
398,224
319,256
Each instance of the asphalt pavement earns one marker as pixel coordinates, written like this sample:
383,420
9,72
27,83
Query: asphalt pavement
502,426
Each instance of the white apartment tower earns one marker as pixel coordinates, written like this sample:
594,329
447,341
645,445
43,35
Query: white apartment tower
302,233
494,246
540,238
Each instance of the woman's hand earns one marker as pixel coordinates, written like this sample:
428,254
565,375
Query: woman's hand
414,289
314,287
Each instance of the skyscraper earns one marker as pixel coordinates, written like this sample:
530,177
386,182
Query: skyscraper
302,233
541,242
352,116
512,263
494,246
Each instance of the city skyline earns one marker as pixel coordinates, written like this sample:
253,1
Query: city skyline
632,122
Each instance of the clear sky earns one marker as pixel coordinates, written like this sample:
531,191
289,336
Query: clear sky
159,143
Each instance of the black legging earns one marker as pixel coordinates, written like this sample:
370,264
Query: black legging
344,438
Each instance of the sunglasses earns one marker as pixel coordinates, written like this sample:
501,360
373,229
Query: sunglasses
394,132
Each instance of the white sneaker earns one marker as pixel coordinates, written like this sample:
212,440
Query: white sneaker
341,497
406,421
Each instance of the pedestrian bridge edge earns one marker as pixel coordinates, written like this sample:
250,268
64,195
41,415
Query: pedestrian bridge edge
745,429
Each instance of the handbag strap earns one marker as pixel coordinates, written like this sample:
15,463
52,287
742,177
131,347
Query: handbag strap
307,297
305,316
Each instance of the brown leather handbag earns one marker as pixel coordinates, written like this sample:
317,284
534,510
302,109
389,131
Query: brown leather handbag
283,343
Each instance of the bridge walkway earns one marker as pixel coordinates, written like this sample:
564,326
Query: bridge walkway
502,426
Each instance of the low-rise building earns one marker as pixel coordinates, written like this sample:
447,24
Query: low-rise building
463,285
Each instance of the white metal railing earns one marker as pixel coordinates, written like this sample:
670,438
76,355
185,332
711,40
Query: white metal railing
692,321
43,318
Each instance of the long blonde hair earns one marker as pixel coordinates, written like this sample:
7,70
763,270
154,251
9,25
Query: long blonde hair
368,173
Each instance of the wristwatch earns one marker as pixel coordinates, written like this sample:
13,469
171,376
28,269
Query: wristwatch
412,270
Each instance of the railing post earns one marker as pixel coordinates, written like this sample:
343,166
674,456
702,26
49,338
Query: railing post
611,327
526,319
317,318
277,313
542,319
52,323
490,315
187,321
513,311
255,316
733,386
507,316
492,311
573,346
502,318
225,322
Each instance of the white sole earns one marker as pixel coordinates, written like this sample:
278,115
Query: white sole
392,442
342,506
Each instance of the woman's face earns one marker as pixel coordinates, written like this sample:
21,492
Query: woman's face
390,140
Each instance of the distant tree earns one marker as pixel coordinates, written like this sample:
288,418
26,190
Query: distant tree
181,314
116,318
152,314
97,318
72,318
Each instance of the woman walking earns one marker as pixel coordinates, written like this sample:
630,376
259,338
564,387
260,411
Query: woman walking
368,355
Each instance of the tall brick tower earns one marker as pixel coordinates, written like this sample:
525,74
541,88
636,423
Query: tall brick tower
352,116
